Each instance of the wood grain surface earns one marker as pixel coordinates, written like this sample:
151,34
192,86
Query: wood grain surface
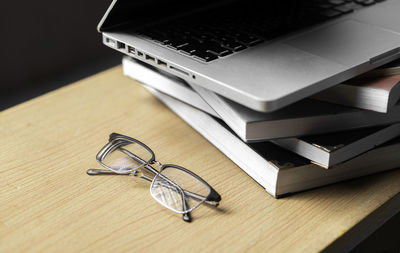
48,203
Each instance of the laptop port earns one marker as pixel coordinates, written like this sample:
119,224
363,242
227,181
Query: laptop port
131,50
120,45
151,58
139,53
110,42
179,70
162,63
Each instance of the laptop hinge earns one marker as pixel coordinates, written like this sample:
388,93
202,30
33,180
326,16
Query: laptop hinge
118,14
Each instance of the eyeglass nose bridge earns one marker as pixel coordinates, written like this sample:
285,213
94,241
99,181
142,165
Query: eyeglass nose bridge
157,162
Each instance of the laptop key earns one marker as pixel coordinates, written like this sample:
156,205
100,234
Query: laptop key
220,53
204,56
360,1
233,45
215,48
368,2
177,42
187,49
249,40
244,38
159,37
347,8
336,2
224,53
331,13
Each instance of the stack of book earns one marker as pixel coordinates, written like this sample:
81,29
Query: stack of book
347,131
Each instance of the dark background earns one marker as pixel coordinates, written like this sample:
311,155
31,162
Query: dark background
47,44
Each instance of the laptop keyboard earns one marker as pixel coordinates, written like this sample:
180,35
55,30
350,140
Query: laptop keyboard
217,33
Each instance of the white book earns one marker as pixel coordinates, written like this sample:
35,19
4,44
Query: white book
277,170
307,117
325,150
376,93
389,69
330,149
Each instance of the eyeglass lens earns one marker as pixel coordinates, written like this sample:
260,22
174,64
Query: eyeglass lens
127,157
178,190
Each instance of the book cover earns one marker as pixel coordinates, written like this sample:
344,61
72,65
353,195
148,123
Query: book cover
376,93
330,149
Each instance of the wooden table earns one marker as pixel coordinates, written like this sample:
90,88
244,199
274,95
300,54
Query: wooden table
48,203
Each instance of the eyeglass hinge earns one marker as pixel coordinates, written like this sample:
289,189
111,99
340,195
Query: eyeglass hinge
156,162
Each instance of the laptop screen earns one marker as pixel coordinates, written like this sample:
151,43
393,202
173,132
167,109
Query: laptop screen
138,13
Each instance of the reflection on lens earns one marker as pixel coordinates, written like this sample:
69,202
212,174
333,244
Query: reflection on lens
127,157
174,186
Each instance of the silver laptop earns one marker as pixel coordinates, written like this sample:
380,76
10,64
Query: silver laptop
262,54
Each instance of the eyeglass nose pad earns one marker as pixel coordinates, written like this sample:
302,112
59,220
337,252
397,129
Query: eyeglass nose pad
187,217
137,172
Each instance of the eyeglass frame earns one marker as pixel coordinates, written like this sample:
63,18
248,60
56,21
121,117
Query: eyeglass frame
213,198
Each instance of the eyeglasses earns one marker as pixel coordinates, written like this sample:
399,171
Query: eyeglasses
174,187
